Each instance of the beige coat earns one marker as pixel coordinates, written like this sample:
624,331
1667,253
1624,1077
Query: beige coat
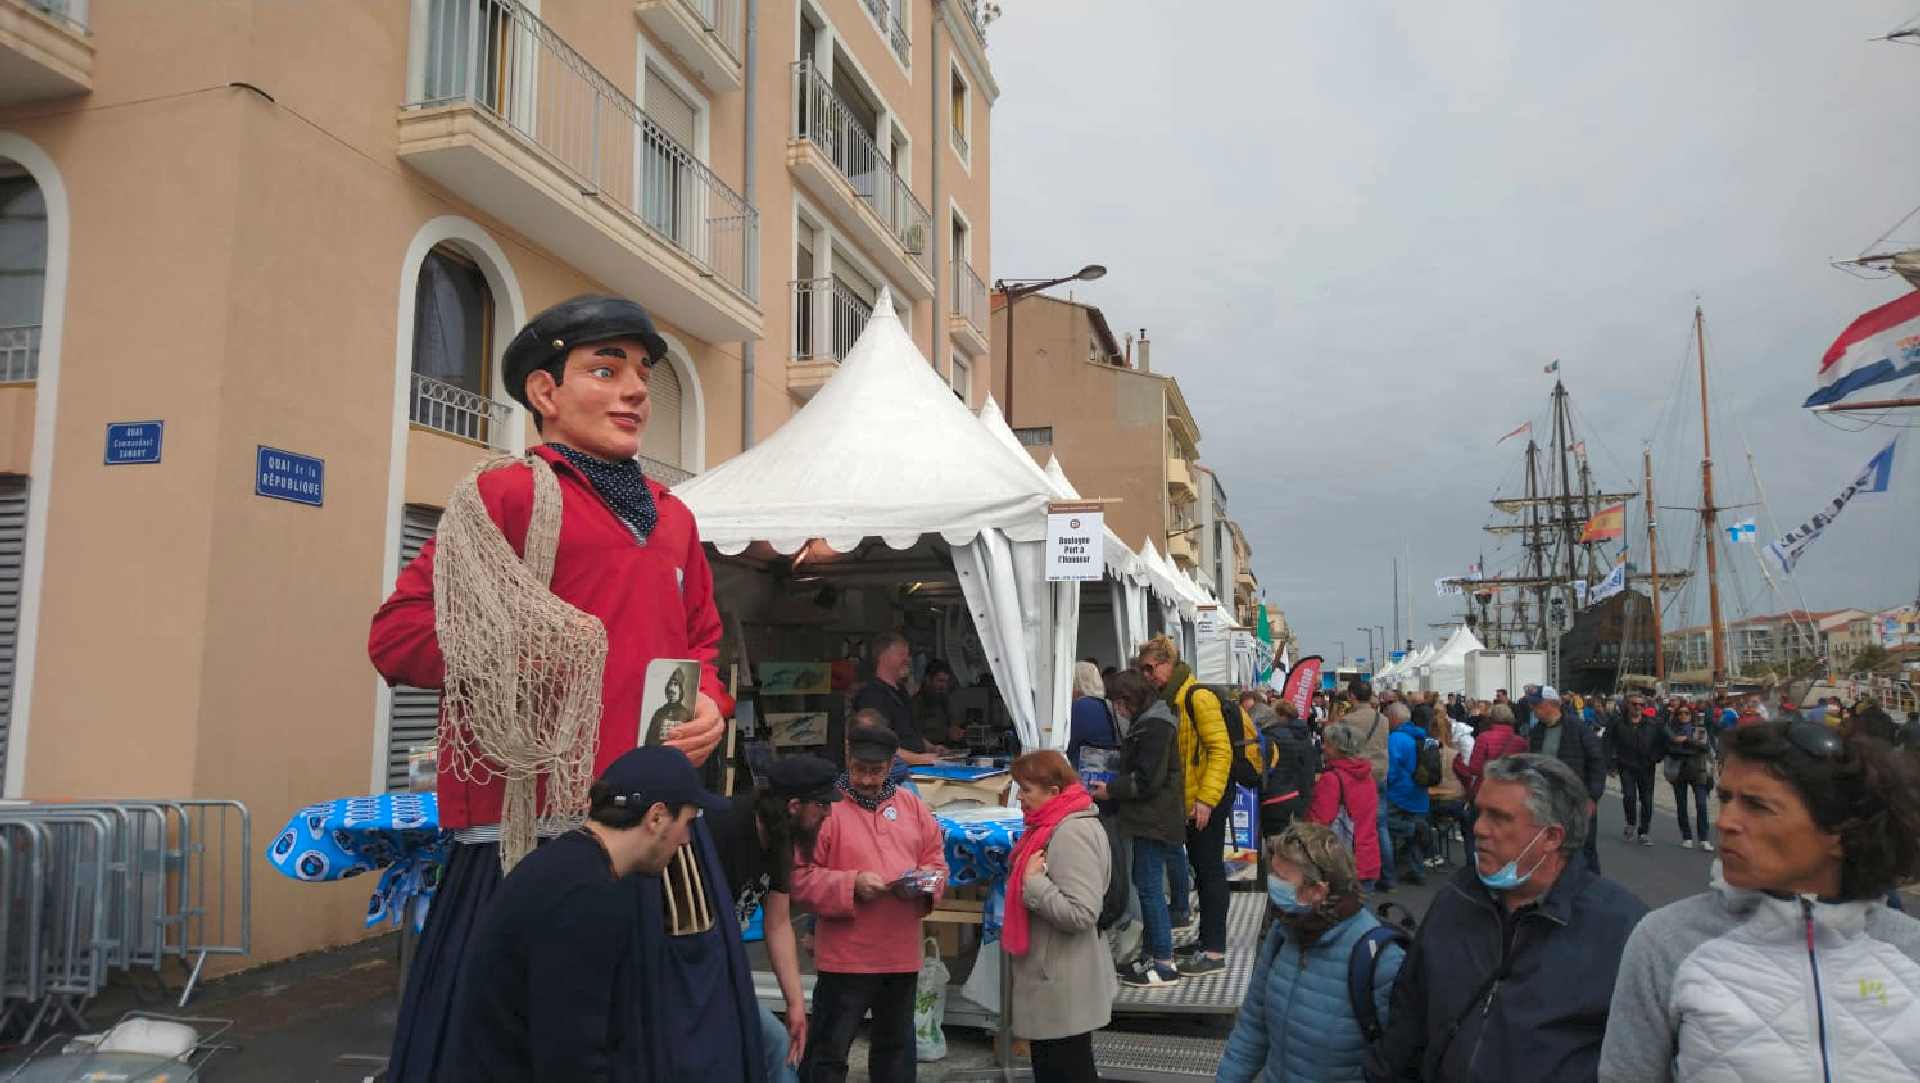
1366,720
1064,984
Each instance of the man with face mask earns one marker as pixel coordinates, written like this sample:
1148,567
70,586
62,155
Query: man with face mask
1512,973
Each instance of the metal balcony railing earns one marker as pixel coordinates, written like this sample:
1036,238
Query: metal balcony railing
960,144
71,12
663,472
886,14
722,20
459,412
496,56
19,353
825,120
969,296
827,319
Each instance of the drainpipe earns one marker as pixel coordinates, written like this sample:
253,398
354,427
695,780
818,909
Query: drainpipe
747,161
933,138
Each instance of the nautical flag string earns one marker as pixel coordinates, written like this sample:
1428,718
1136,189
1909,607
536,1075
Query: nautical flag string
1792,545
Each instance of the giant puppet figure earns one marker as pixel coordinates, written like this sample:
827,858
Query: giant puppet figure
551,583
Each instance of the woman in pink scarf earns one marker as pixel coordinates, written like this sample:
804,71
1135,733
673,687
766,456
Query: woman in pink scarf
1063,981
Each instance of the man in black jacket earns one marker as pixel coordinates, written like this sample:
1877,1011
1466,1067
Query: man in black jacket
1511,975
1635,745
546,993
1573,743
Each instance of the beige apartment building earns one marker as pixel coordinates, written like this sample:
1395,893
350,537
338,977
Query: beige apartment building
281,245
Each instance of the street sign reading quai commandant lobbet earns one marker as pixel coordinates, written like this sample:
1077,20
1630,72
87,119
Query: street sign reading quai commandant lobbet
1076,542
284,475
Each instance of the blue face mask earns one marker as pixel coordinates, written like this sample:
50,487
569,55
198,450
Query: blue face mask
1508,876
1285,898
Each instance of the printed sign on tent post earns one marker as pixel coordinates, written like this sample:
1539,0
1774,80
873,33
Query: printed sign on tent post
1076,542
1208,622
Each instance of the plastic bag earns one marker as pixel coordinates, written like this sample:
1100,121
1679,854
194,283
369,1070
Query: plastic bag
930,1006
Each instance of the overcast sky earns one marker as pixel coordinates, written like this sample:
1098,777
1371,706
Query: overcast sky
1357,232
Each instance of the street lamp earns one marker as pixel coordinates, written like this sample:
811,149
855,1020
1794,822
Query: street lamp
1368,632
1385,646
1343,652
1013,289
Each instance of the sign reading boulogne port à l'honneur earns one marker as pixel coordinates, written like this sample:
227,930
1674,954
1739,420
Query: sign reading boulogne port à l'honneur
284,475
1076,542
130,442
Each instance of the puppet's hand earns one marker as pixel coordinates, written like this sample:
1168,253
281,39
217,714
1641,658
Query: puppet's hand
698,736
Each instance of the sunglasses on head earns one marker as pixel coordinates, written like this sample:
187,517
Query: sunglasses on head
1816,740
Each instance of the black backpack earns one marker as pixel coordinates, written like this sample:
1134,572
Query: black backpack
1289,764
1364,962
1113,907
1240,734
1427,768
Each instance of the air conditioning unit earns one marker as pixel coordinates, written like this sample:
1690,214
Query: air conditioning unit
915,240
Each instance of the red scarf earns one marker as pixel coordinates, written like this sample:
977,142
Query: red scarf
1039,829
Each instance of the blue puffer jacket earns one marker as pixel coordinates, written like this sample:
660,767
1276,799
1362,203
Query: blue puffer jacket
1296,1023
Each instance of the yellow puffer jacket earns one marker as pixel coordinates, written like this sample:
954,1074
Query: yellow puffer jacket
1206,770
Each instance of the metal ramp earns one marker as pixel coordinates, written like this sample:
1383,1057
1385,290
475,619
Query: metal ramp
1219,993
1155,1058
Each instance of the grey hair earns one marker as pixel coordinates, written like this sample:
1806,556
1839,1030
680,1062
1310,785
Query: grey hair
1398,711
1346,742
1501,714
1087,680
1555,795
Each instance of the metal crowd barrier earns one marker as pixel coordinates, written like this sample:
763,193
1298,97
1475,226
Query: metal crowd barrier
92,887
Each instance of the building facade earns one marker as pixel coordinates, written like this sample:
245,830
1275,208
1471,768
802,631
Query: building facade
287,271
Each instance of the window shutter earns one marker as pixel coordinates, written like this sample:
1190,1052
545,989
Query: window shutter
414,717
13,545
670,109
662,439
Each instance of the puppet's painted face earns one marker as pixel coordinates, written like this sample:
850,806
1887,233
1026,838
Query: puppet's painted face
601,405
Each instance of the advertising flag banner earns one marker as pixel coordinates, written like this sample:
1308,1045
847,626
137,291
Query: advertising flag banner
1880,346
1607,523
1787,551
1303,680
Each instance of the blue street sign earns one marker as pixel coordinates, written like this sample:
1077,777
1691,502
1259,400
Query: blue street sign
134,442
284,475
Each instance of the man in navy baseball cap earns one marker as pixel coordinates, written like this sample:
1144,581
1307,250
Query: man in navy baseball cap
547,991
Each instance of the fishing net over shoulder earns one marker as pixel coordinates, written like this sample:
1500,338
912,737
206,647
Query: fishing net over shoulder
522,696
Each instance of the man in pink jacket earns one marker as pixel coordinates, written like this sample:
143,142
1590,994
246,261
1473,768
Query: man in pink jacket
876,870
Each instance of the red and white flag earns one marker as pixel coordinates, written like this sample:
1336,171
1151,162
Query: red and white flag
1881,346
1526,428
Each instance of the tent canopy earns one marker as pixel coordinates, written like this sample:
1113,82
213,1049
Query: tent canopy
1447,670
883,450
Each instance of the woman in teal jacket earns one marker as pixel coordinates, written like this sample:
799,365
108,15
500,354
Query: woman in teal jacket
1297,1023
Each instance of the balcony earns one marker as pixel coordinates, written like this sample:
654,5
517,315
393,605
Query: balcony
1180,482
469,415
837,162
827,320
45,50
888,23
1184,550
967,323
506,115
20,354
705,34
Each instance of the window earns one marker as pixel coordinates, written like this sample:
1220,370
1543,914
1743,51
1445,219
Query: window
1035,437
453,350
413,714
962,129
23,274
662,440
963,382
901,155
668,155
452,321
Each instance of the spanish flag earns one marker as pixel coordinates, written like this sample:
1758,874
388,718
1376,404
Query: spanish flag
1608,523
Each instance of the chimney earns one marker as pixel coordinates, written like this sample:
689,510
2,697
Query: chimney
1129,360
1146,363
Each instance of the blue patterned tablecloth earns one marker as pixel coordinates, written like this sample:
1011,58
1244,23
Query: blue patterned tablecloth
979,845
338,840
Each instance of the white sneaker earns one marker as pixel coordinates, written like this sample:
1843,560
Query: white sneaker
1627,834
1686,844
1705,845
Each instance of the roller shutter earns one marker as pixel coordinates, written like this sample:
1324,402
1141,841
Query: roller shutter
414,717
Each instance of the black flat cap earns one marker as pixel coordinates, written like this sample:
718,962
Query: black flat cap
871,744
546,339
807,778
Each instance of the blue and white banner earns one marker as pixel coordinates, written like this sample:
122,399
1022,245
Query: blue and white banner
1873,479
1614,583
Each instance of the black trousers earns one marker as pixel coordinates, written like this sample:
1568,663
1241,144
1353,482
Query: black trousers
1064,1060
1206,853
840,1001
1636,793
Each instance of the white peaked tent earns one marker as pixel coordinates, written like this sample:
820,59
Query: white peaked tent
1408,672
884,450
1447,670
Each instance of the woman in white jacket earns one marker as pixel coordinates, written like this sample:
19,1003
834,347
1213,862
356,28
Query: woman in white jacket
1792,967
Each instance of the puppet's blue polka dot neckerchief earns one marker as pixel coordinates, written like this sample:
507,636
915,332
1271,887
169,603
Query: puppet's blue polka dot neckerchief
622,485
